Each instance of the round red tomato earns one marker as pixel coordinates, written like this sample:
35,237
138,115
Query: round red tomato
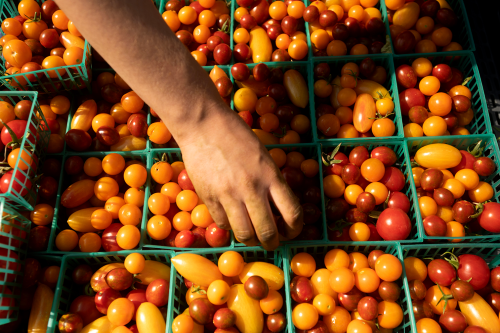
475,268
393,224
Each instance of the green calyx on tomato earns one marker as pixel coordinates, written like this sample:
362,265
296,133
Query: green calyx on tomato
329,160
444,298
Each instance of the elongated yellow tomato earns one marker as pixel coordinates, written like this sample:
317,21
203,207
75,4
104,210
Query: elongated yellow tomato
149,319
444,4
296,88
265,137
439,156
83,116
373,88
100,325
407,15
153,270
78,193
258,87
40,312
273,275
260,44
98,280
196,269
249,316
479,313
333,97
129,143
80,220
216,73
364,113
69,40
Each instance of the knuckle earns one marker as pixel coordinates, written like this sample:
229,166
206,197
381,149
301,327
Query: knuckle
267,235
244,236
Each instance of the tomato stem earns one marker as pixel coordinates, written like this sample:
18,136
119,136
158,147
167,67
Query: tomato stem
329,160
446,298
477,151
88,290
467,79
453,260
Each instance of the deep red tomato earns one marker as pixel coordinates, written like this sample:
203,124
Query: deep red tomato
453,321
410,98
393,179
17,126
441,272
475,268
399,200
490,217
20,178
104,298
39,238
85,307
467,162
393,224
109,243
137,296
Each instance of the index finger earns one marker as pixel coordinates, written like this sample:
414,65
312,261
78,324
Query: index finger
261,215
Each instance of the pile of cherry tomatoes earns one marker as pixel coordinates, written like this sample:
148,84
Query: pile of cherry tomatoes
341,27
231,296
203,28
273,102
453,294
353,293
351,107
40,38
435,99
178,218
422,26
363,186
454,191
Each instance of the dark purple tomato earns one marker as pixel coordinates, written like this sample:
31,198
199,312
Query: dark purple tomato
309,232
484,166
389,291
393,179
273,31
293,177
353,27
328,18
70,323
451,121
493,300
351,41
393,224
340,31
453,321
240,71
473,267
321,70
107,136
320,327
259,10
495,279
385,154
111,93
280,55
405,42
174,5
405,76
119,279
78,139
202,311
311,213
276,76
350,299
375,26
431,179
422,309
312,195
429,8
301,289
355,215
365,202
368,308
311,14
443,197
49,38
137,125
417,290
409,98
442,72
97,145
222,54
460,103
289,24
418,114
367,67
446,17
224,318
247,21
358,155
224,86
376,47
350,174
277,91
336,208
104,298
434,226
373,256
457,79
461,290
256,287
286,112
462,211
441,272
276,322
212,42
157,292
261,72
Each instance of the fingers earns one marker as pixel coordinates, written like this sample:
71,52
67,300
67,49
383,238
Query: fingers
289,206
263,221
240,222
218,214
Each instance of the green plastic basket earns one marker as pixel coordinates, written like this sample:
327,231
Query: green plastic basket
35,140
466,63
462,33
490,145
59,224
177,301
147,242
489,252
318,251
67,290
14,235
76,77
403,162
385,60
309,151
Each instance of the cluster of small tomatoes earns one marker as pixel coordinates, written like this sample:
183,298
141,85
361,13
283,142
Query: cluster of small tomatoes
301,175
39,38
358,183
102,204
438,285
273,103
353,293
350,107
422,26
203,28
231,296
339,27
179,217
453,196
270,31
439,105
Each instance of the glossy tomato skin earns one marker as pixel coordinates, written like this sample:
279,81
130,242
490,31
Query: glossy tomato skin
462,290
82,274
109,243
86,308
409,98
434,226
406,77
157,292
393,224
119,279
385,154
350,299
441,272
422,309
137,296
202,311
399,200
490,218
495,279
78,140
104,298
224,318
301,289
217,237
453,321
467,162
393,179
475,268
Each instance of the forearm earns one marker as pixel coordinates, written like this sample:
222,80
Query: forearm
137,43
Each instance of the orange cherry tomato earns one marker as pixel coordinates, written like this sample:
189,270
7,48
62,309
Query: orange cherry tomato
134,263
388,267
134,196
303,264
135,175
130,214
128,237
90,242
336,258
366,280
158,204
113,206
342,280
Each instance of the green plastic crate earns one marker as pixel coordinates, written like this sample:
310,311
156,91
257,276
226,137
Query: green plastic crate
177,302
14,235
466,63
403,163
65,180
336,63
76,77
462,33
35,140
318,251
489,252
67,291
490,145
309,151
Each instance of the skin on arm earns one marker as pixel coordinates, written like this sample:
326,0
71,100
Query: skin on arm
229,167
